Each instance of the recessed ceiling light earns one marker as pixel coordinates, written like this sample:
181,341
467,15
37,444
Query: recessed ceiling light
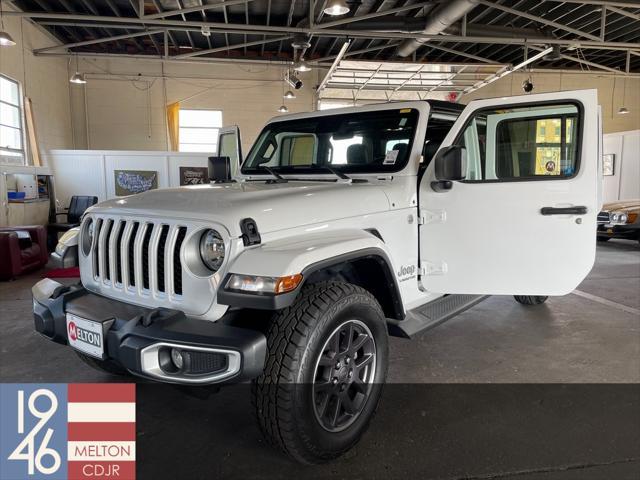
623,111
289,95
283,109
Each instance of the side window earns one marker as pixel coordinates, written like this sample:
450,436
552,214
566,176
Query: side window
522,143
298,150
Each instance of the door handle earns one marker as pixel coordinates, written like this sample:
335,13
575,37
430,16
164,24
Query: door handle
563,210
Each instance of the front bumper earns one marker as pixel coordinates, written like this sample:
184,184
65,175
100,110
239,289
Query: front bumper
138,338
629,231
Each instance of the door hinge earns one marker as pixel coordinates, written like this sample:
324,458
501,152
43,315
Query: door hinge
432,268
432,216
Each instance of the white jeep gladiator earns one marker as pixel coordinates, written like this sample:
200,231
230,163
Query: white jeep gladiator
340,228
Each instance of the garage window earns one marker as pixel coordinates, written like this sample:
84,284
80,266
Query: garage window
199,130
522,143
11,133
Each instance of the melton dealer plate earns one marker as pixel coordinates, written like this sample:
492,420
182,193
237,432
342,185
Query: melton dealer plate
85,335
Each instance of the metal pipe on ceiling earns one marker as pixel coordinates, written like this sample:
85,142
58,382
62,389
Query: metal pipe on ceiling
442,17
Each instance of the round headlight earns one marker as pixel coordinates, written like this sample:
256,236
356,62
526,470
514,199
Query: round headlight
622,218
212,249
87,236
614,217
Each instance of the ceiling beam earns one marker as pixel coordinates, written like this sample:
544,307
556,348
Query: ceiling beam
582,61
99,40
199,8
602,3
356,52
508,70
124,22
230,47
619,11
535,18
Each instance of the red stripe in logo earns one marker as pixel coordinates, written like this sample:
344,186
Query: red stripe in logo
100,432
102,392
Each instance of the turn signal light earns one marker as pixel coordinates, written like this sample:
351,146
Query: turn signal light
287,284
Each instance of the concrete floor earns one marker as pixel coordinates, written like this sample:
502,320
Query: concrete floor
498,392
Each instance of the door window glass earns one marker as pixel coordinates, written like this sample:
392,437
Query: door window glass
522,143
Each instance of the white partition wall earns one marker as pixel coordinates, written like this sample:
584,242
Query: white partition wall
91,172
624,184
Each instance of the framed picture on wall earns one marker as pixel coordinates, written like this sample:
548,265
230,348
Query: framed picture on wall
130,182
608,164
194,175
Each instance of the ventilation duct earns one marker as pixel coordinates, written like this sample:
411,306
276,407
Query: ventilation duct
438,20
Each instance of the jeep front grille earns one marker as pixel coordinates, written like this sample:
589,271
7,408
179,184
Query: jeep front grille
138,256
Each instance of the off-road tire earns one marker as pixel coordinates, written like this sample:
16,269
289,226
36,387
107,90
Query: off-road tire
104,366
298,335
530,299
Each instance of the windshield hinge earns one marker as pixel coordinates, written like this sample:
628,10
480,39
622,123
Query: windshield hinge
431,216
250,233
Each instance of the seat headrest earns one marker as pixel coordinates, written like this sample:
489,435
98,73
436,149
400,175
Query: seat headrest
357,154
430,149
401,148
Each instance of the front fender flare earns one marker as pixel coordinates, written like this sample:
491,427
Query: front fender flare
306,254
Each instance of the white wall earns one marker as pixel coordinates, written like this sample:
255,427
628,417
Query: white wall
624,184
44,80
123,104
90,172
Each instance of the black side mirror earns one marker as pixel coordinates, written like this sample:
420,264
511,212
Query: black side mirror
219,169
451,163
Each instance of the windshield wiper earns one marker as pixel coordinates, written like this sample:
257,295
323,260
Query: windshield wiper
338,174
278,178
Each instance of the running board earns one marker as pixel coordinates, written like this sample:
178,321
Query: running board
432,314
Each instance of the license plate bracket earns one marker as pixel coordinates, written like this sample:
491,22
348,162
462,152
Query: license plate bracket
86,336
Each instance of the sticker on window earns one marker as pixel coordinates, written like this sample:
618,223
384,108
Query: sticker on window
390,158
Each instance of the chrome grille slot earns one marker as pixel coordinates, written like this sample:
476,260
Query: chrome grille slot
160,259
177,264
96,241
105,247
130,254
118,250
145,255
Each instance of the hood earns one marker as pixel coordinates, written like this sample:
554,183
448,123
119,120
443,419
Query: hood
625,206
274,206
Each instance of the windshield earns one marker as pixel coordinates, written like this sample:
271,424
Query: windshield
364,142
